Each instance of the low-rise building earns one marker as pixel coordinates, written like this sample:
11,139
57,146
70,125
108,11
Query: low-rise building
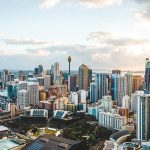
110,120
50,142
3,131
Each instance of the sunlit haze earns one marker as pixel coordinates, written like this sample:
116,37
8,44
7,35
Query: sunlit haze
103,34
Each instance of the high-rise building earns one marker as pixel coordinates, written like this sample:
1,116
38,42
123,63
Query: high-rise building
40,70
126,102
22,85
36,71
116,71
58,80
134,99
103,82
47,80
82,94
107,103
10,91
5,75
143,117
22,99
0,76
12,107
85,77
11,77
93,92
147,76
56,70
137,83
110,120
33,93
40,80
21,76
73,82
128,83
118,88
74,98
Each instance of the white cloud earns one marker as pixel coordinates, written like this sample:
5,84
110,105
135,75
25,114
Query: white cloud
114,51
28,41
48,3
98,3
143,13
86,3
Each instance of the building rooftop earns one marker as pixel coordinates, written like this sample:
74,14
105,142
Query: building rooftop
3,128
118,135
60,113
50,142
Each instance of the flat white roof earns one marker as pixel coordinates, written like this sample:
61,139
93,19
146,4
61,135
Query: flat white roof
3,128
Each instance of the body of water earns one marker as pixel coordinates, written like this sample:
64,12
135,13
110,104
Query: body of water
7,144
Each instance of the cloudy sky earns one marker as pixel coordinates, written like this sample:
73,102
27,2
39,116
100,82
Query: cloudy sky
104,34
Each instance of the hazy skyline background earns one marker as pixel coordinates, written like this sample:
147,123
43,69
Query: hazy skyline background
104,34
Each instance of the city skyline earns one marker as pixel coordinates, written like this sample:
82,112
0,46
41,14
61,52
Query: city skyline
103,34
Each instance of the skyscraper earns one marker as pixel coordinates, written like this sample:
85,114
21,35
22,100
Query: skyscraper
56,70
103,82
143,117
21,75
73,81
47,79
118,88
147,76
93,92
22,85
134,98
11,77
85,77
128,83
22,99
137,83
126,102
33,93
40,70
82,96
36,71
5,75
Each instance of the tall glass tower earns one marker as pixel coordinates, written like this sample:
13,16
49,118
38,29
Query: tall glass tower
143,117
147,76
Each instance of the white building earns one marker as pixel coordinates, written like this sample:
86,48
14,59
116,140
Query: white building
120,89
134,98
107,103
82,94
74,98
22,85
58,80
110,120
126,102
22,99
